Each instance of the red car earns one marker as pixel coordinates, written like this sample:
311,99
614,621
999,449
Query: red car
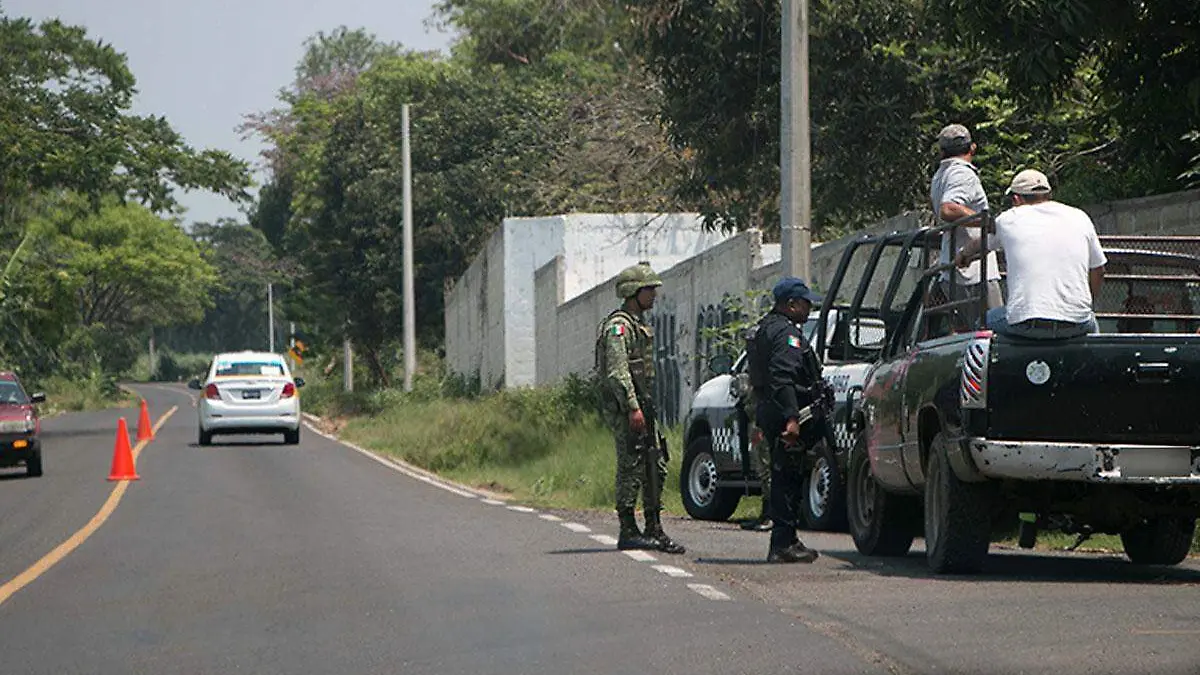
19,425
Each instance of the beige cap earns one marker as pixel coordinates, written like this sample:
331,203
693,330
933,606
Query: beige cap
1029,182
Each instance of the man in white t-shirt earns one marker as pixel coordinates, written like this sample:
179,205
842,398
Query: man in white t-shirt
1055,264
956,192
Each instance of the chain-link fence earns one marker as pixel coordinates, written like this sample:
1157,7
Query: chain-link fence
1151,285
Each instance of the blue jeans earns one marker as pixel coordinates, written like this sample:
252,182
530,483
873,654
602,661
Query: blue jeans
1039,329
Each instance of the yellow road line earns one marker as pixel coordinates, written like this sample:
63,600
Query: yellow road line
64,549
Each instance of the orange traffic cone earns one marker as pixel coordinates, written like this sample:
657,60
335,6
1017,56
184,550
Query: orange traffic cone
145,429
122,464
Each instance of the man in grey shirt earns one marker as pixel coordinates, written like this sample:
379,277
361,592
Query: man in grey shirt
956,192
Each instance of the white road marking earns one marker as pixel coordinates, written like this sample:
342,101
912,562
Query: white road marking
640,556
550,517
605,539
493,502
672,571
709,592
522,509
576,527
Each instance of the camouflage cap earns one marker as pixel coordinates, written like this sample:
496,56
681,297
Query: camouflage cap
635,278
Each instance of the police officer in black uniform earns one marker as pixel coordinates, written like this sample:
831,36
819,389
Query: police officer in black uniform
786,377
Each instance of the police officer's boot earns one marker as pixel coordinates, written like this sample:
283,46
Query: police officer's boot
655,532
795,553
631,538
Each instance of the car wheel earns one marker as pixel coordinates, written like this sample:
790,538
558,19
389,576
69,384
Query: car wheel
824,490
291,436
33,465
205,438
958,522
702,499
881,523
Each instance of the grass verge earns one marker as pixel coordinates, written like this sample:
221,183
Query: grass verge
96,393
544,447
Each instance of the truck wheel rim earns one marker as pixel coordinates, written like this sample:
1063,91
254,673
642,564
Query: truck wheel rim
702,479
818,487
866,498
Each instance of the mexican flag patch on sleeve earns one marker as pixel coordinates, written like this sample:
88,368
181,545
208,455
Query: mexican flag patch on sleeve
793,341
618,329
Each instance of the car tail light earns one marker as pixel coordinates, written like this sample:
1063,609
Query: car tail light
289,390
211,393
973,384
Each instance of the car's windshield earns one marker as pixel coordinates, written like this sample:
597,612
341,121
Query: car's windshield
253,368
12,394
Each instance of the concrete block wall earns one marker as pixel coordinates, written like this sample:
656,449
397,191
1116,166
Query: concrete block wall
548,285
592,248
692,293
1176,213
578,319
474,317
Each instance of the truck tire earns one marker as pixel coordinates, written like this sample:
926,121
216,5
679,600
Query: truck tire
702,499
1159,541
824,492
958,516
881,523
204,438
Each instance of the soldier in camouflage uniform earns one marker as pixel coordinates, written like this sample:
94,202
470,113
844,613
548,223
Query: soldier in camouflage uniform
625,365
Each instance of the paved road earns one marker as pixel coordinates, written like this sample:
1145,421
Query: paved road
264,558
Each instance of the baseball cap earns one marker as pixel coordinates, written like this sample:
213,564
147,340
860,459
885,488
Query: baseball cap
1029,182
954,137
794,288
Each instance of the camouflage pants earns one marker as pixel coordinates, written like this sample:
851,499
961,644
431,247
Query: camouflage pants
761,452
631,470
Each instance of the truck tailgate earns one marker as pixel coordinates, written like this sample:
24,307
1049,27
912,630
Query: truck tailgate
1134,389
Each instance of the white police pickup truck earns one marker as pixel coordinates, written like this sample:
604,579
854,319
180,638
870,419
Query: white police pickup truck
847,334
718,469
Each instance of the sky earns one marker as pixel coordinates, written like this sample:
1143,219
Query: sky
203,64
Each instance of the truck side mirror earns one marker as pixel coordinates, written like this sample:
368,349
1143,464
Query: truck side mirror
720,364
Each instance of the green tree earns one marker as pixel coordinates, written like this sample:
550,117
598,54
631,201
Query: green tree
64,125
1146,56
237,318
884,78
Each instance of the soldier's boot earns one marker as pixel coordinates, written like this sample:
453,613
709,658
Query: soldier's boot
631,538
655,532
796,553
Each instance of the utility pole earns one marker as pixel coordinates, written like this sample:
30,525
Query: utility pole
271,317
153,356
410,313
795,146
347,366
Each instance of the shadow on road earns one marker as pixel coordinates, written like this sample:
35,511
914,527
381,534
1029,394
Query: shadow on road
1045,567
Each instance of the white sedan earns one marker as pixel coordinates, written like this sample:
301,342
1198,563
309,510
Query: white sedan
249,393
